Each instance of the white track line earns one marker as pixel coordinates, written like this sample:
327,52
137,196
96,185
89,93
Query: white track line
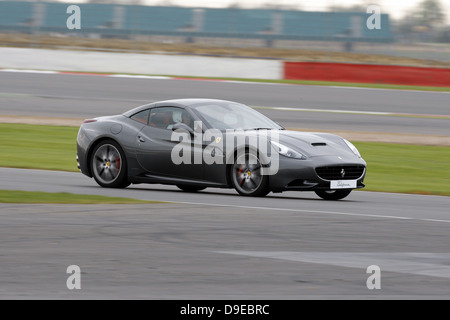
139,76
313,211
29,71
373,113
328,110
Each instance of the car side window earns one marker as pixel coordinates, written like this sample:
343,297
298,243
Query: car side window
166,117
141,116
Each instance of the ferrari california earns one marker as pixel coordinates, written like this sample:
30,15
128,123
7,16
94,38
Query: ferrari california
199,143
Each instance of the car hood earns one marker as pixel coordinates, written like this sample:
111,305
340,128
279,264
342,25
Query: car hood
314,144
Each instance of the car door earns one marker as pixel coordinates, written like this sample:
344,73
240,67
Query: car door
155,142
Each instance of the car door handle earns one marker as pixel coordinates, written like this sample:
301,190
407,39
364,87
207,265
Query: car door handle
141,139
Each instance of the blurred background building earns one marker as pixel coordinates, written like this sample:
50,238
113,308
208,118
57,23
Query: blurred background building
421,32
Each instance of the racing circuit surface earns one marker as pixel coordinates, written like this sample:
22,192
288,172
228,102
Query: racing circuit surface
215,244
85,96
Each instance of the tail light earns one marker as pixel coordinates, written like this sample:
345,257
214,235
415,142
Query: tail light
89,120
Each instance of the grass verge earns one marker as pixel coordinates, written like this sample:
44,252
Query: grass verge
38,147
12,196
391,167
406,168
222,47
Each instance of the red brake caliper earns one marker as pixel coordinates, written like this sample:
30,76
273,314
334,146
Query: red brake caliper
241,180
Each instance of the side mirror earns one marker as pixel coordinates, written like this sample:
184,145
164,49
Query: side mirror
183,126
198,126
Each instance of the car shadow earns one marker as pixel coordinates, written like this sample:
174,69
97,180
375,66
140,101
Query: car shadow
218,193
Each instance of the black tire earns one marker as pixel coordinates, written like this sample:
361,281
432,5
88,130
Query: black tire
109,165
333,194
247,178
188,188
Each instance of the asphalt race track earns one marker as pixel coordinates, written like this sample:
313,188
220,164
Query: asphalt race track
85,96
215,244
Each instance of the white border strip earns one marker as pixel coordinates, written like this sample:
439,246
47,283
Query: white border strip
30,71
329,110
312,211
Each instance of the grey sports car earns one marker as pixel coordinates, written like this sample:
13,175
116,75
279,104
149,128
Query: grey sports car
200,143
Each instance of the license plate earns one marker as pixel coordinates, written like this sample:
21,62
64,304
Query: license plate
343,184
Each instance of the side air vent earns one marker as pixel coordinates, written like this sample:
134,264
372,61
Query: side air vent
318,144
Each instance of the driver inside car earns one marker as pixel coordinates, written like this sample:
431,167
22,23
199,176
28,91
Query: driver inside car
187,119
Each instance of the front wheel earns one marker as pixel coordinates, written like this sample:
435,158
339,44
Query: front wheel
333,194
247,176
109,165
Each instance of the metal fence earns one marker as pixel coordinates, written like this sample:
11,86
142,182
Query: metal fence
232,27
126,20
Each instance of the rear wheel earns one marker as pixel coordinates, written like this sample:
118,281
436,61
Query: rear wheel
109,165
333,194
188,188
247,177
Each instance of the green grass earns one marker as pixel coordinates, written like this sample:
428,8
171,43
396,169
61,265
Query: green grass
38,147
391,167
11,196
406,168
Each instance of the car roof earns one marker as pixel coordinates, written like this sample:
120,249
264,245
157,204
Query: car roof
173,102
190,101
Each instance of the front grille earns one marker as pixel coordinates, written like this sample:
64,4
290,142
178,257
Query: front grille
340,172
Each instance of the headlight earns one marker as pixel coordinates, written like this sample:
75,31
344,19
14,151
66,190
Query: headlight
287,152
352,147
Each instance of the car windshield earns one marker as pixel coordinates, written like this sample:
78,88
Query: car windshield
229,115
